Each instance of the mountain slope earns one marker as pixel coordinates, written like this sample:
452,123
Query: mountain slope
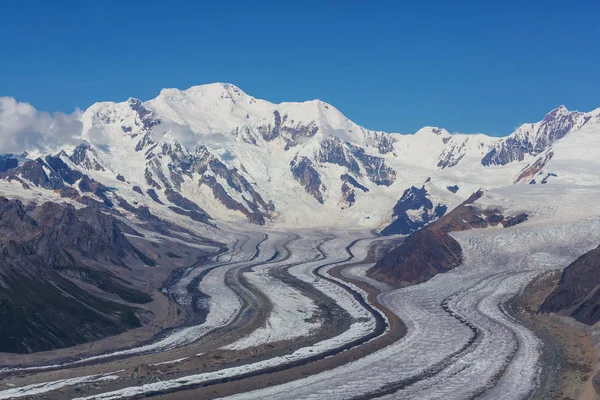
43,249
432,250
577,291
231,158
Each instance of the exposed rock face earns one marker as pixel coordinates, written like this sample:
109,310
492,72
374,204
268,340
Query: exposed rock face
38,172
69,175
353,182
253,207
577,291
385,142
143,123
416,202
348,186
291,131
305,173
548,175
54,173
69,192
377,171
348,194
453,154
87,157
531,171
198,213
419,258
182,165
432,250
334,151
154,196
46,250
250,210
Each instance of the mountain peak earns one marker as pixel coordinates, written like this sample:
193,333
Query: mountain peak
432,130
210,91
560,110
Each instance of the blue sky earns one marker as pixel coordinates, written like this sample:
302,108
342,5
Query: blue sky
395,66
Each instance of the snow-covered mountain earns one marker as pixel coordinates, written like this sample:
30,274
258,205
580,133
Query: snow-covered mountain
214,153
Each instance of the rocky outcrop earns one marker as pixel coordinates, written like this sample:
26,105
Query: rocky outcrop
194,211
349,184
289,130
377,171
334,151
154,196
209,167
530,171
453,154
38,173
419,258
145,119
305,173
348,194
68,174
249,209
69,192
353,182
385,142
431,250
577,293
413,211
53,173
86,156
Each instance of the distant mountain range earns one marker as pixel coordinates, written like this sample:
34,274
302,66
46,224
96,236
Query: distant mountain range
215,154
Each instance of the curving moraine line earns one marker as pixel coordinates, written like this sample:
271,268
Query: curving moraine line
471,345
253,299
381,327
176,277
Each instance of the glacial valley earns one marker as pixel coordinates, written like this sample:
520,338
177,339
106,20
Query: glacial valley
208,244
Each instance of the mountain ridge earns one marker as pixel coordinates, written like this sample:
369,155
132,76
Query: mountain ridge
238,157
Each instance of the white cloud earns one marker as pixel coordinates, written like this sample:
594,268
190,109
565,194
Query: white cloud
23,128
186,136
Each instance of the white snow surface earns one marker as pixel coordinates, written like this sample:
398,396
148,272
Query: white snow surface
229,124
